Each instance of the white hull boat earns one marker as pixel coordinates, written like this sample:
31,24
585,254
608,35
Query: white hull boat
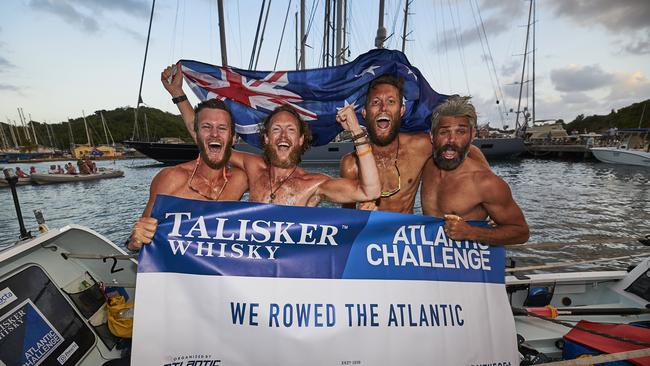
50,293
68,178
541,301
634,149
21,182
613,155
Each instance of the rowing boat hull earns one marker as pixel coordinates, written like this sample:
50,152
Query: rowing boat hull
70,178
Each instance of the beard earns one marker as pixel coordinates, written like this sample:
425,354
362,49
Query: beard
215,164
382,140
271,157
450,164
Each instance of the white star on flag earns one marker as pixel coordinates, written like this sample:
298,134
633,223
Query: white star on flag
369,70
346,103
410,72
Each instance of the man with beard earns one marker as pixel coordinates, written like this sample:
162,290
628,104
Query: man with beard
400,157
462,189
206,178
276,177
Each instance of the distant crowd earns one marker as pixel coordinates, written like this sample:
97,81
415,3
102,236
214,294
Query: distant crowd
85,166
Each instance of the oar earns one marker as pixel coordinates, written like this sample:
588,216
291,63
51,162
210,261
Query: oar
553,312
592,360
570,264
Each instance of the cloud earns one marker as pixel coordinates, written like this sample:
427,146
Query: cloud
629,87
9,87
137,8
639,47
580,78
616,16
5,64
510,68
577,98
66,12
89,14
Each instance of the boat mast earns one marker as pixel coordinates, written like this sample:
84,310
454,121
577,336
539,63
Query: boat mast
25,129
523,68
302,34
381,31
144,63
642,114
71,135
406,15
222,34
339,26
31,122
13,133
534,49
90,142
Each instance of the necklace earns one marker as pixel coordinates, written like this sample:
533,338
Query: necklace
385,194
272,195
211,195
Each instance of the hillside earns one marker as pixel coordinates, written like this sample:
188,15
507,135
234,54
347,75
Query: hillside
627,117
120,123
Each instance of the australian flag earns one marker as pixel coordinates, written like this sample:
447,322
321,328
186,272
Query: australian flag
316,94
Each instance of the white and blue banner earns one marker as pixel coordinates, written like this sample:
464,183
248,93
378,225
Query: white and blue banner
240,283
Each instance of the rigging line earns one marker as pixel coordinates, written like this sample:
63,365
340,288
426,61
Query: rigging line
144,64
461,53
183,28
257,33
211,33
241,56
395,16
286,16
173,43
524,65
444,38
494,69
259,49
483,48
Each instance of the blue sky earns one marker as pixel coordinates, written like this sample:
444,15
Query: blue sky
59,57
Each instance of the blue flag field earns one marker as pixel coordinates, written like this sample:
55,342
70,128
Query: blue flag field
240,283
316,94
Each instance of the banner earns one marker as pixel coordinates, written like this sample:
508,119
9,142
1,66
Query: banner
316,94
240,283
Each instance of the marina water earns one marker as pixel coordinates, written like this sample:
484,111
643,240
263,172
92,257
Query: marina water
593,207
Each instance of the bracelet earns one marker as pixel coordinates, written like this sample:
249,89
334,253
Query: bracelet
361,143
364,152
180,98
361,134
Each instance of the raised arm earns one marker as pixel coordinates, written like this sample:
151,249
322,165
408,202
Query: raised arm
175,89
511,226
367,187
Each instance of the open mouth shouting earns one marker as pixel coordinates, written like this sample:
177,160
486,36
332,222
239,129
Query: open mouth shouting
215,147
383,122
283,146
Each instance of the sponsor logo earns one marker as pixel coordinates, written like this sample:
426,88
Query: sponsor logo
65,355
6,297
192,360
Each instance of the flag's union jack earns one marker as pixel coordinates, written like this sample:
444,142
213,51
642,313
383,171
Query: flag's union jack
316,94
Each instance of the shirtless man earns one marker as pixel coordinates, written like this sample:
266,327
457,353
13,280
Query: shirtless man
462,189
207,178
276,177
400,157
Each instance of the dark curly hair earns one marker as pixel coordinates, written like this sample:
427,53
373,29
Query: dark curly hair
304,126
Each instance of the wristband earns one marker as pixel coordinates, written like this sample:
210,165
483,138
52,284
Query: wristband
180,98
359,143
361,134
